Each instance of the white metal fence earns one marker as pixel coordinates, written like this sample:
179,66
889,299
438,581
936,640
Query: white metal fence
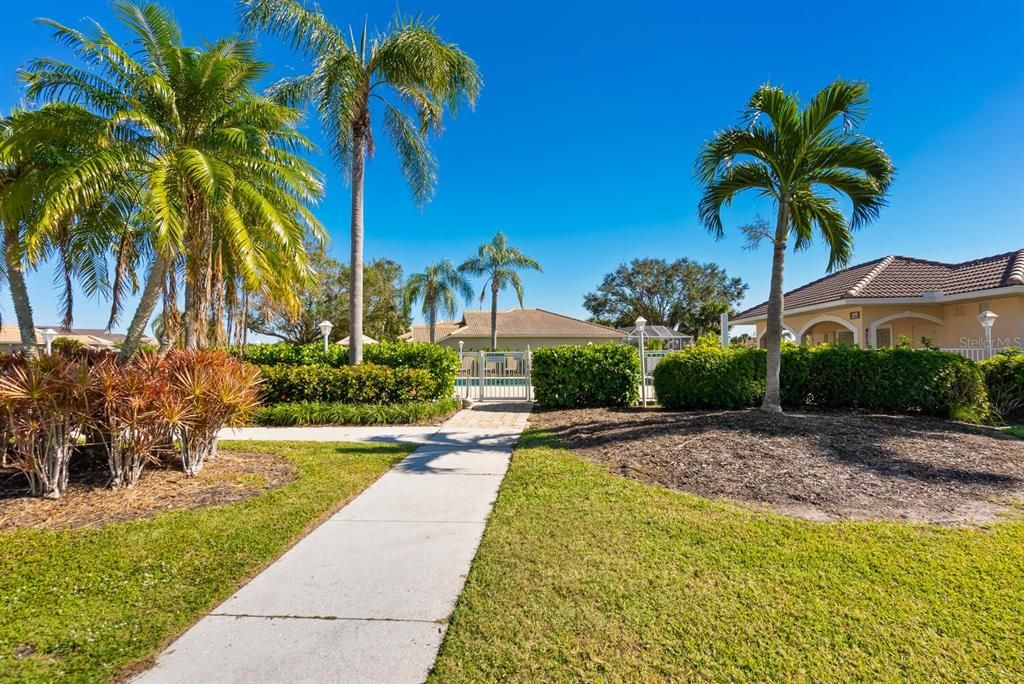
975,353
494,375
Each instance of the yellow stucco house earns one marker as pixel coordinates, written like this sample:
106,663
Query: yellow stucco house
874,304
517,330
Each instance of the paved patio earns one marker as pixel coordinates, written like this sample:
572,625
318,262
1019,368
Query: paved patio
366,596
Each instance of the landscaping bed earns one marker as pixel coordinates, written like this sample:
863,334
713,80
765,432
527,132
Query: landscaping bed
88,502
819,466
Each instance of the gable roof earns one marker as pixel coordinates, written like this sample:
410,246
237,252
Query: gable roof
903,277
514,323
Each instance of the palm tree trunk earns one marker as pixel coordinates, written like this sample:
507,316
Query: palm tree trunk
243,322
494,316
216,299
355,290
433,321
19,291
197,276
773,334
150,295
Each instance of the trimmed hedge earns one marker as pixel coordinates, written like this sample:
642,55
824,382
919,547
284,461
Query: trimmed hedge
586,375
327,413
363,384
1004,377
441,362
895,380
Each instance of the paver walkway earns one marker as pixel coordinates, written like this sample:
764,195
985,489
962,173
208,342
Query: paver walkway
366,596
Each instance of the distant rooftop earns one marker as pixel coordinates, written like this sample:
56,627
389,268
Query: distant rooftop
514,323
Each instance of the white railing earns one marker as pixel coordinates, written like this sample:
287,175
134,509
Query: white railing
494,375
974,353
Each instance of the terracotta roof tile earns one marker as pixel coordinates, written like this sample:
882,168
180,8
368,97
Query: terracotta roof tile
904,277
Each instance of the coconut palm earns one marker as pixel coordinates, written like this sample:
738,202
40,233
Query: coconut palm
217,169
439,286
501,264
805,160
406,68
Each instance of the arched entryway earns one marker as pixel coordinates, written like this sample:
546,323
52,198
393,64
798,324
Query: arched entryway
792,337
829,329
885,324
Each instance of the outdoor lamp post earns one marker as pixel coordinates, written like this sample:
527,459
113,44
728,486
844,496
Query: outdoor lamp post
460,348
641,323
325,330
49,335
988,319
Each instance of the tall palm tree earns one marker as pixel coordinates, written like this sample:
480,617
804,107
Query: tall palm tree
406,68
215,166
501,264
439,286
805,160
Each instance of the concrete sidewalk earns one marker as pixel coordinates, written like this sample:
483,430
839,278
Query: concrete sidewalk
365,597
412,434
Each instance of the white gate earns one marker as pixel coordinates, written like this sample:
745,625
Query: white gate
651,360
494,375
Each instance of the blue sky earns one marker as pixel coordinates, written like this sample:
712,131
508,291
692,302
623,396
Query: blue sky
582,145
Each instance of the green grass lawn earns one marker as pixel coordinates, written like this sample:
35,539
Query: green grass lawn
1017,431
585,576
79,605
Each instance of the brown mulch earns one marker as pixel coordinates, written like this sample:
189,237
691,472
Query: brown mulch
231,476
814,466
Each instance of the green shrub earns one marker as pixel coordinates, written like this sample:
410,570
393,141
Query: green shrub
441,362
586,375
899,380
327,413
705,376
1004,378
363,384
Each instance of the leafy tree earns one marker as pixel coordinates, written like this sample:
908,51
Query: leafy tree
220,187
325,297
408,67
805,160
682,292
439,287
500,264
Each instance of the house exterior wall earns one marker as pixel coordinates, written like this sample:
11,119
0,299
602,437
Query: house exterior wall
960,326
520,343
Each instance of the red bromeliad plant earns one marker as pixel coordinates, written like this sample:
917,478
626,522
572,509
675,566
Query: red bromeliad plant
47,405
219,389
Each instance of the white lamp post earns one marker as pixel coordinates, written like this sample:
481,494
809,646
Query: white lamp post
460,348
988,319
49,335
641,323
325,330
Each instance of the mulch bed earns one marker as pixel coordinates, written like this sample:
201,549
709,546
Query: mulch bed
814,466
231,476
